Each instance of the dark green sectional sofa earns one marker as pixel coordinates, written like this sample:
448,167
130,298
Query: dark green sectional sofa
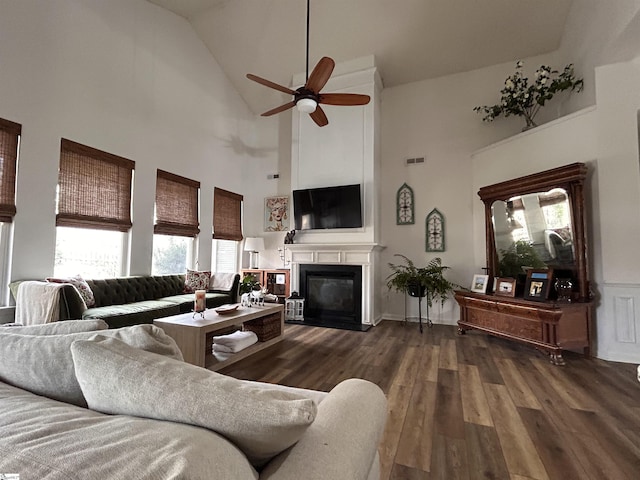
126,301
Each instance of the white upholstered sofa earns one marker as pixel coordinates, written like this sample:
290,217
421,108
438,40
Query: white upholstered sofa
80,403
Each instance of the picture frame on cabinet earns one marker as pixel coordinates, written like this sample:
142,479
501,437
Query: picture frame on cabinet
479,283
538,284
506,287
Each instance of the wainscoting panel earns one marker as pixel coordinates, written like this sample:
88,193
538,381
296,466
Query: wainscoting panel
618,323
624,316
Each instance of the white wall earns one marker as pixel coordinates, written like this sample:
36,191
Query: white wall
130,78
618,201
435,119
598,33
567,140
342,152
606,138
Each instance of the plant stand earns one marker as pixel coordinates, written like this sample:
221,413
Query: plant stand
429,323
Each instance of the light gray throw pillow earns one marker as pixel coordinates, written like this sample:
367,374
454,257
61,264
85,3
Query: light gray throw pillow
58,328
118,379
42,364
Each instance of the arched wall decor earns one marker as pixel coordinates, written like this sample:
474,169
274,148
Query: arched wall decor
405,206
435,238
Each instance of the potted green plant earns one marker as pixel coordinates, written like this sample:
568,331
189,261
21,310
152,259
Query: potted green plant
248,284
420,282
519,254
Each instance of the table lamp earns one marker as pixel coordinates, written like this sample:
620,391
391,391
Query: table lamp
253,245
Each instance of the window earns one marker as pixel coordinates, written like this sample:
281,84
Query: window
555,208
93,211
170,254
9,146
225,256
227,230
90,252
176,223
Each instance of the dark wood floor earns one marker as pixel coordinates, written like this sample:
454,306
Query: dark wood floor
472,406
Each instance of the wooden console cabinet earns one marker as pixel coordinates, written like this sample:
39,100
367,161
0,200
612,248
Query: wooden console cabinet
276,280
549,326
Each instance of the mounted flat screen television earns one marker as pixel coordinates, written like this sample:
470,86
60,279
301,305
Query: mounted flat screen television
327,207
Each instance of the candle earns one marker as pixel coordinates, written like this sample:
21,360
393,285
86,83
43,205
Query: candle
199,301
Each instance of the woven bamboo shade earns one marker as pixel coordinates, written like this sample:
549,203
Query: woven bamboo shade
227,215
176,205
94,188
9,135
552,198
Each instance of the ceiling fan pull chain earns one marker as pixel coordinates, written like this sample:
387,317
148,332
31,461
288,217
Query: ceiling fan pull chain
306,79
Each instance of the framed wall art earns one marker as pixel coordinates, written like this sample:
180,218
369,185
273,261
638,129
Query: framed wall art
276,214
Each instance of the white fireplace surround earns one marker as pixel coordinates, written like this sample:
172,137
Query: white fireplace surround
363,254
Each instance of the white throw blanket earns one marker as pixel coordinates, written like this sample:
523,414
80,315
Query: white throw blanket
234,342
38,302
222,281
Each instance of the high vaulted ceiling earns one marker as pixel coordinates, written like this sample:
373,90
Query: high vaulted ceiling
411,40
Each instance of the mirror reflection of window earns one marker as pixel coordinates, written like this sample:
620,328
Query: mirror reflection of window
516,220
558,239
541,221
555,207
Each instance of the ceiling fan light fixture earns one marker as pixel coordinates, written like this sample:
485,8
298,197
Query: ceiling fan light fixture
308,97
307,105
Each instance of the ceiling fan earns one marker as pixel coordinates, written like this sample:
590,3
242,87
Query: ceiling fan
308,97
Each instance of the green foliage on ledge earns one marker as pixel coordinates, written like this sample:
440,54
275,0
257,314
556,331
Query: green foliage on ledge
524,99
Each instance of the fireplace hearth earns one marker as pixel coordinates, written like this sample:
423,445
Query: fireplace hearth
333,296
363,256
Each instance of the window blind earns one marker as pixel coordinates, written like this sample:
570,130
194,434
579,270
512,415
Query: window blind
94,188
9,138
176,205
552,198
225,256
227,215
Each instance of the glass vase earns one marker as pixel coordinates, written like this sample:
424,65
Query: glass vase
564,287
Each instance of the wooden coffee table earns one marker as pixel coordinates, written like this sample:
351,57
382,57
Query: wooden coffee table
194,335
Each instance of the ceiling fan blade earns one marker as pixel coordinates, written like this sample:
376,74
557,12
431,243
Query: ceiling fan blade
320,75
343,99
279,109
270,84
319,117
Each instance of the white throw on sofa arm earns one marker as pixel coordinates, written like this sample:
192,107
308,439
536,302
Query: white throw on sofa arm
342,442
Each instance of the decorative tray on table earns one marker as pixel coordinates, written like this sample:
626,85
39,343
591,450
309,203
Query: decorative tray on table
225,309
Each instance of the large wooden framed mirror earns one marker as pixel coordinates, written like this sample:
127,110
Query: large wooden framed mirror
538,221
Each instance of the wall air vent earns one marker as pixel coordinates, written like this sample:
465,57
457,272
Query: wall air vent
414,161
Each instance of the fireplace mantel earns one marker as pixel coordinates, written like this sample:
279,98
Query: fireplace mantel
363,254
350,253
